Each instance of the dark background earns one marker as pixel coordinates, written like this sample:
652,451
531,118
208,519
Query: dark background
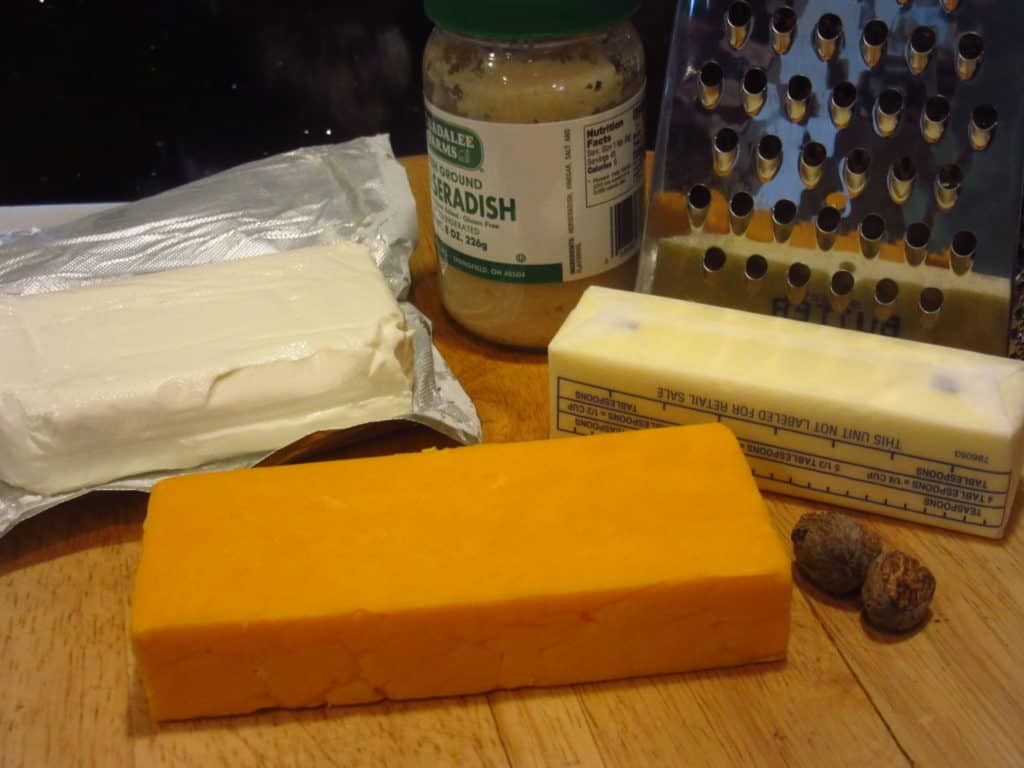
115,100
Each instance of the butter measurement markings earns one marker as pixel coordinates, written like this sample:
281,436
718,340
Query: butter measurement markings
896,484
900,488
883,503
664,405
604,415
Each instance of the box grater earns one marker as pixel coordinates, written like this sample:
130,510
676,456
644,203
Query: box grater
853,163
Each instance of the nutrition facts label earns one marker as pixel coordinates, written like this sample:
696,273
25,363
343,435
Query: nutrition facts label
802,455
614,154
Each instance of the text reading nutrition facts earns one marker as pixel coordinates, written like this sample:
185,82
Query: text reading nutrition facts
790,449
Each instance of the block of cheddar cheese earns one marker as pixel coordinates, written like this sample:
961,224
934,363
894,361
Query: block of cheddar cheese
455,572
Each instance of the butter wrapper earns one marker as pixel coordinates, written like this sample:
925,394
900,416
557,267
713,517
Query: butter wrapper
313,196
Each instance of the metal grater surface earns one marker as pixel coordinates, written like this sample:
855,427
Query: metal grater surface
855,163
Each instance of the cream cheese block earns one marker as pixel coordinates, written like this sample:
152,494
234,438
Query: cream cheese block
911,430
174,369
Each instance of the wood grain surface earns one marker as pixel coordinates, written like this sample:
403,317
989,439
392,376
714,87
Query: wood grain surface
951,693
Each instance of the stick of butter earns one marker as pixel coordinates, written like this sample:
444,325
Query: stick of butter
178,368
911,430
456,571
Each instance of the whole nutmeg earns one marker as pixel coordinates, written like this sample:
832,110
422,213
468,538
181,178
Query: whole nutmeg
834,551
897,592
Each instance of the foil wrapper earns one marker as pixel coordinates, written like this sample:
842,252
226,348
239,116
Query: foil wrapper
314,196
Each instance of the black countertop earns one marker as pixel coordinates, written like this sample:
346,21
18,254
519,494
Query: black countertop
116,100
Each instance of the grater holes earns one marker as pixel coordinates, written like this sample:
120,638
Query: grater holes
740,13
712,264
934,118
812,163
950,176
754,272
970,49
919,49
947,185
797,277
738,22
799,88
890,101
936,109
859,160
783,218
922,39
828,219
741,204
888,108
755,80
876,32
872,226
725,151
814,153
741,210
826,227
984,116
784,211
903,169
754,89
900,180
769,157
756,267
964,243
915,242
840,104
870,233
971,45
845,94
710,84
798,274
918,235
856,167
982,125
932,299
714,259
782,28
700,196
930,305
827,34
727,140
840,290
885,293
798,94
698,203
711,74
873,41
961,252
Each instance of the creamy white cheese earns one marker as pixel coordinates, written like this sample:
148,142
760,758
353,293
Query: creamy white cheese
175,369
911,430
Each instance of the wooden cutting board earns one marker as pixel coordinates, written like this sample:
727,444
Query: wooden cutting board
951,693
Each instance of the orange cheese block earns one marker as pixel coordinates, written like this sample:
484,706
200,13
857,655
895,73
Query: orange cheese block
457,571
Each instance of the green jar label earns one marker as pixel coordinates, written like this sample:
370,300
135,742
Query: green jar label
454,143
554,202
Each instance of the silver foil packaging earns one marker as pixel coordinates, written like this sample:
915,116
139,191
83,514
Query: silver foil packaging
314,196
